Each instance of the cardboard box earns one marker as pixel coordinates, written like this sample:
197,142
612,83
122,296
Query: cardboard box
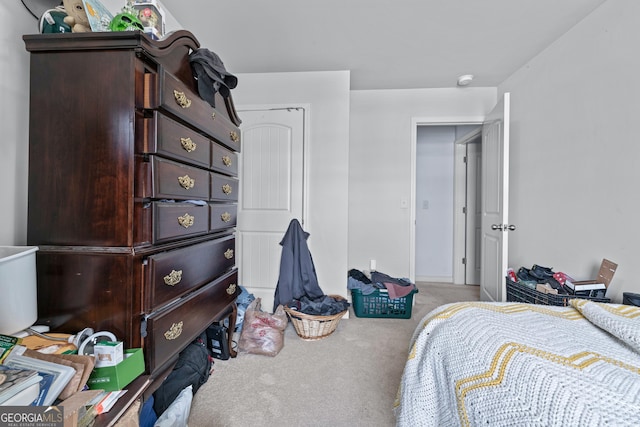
78,409
108,353
605,275
117,377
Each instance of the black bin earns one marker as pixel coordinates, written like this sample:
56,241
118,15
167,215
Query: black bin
631,299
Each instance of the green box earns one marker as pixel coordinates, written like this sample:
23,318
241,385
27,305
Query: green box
111,378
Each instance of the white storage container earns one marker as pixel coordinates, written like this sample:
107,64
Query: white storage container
18,288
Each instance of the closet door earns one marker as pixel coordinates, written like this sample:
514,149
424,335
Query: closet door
271,194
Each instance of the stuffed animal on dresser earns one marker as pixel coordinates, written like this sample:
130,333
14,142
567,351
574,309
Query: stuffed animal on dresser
76,16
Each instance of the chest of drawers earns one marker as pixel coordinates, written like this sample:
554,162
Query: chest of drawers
132,190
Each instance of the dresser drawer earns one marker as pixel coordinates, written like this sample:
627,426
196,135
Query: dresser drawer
161,135
169,331
223,187
165,92
223,160
174,273
159,178
222,216
177,220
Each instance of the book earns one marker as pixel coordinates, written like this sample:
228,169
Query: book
584,285
45,385
108,400
15,380
62,374
7,342
24,397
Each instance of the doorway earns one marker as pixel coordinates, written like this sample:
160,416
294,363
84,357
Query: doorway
446,209
272,192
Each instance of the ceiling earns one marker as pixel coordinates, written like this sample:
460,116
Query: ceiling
386,44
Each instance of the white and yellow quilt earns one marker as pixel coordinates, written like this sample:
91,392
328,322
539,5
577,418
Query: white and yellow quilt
515,364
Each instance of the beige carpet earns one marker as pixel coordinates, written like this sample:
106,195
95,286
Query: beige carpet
347,379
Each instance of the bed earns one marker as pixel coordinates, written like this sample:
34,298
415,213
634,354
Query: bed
508,364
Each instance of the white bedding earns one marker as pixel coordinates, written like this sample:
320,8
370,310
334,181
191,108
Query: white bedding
514,364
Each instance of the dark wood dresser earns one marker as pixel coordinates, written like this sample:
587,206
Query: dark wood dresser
132,190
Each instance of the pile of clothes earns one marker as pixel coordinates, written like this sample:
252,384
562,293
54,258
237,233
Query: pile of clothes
397,287
325,305
298,286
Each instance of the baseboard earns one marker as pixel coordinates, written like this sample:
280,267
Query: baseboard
436,279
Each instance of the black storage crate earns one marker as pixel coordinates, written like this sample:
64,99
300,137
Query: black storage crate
521,293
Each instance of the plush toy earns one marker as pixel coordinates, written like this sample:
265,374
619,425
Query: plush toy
76,16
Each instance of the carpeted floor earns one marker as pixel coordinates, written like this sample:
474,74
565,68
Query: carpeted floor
347,379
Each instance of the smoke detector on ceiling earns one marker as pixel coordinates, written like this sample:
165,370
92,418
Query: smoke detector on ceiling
465,80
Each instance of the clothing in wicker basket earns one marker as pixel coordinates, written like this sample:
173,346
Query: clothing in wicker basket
312,327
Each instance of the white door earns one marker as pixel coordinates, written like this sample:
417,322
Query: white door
271,170
495,202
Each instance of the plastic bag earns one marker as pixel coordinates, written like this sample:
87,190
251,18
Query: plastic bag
177,414
262,332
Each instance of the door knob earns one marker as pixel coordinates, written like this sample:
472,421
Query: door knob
503,227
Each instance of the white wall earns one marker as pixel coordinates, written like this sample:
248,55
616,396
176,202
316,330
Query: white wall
15,21
327,93
380,166
575,158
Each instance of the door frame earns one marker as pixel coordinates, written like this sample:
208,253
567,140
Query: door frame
463,221
306,145
458,243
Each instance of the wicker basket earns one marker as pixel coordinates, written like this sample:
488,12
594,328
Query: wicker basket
311,327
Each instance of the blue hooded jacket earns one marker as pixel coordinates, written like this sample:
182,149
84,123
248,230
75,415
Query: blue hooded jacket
297,272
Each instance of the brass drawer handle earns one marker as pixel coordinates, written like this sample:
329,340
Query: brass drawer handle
231,289
182,99
186,182
186,220
175,331
234,136
228,254
188,144
226,189
226,160
225,217
173,278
